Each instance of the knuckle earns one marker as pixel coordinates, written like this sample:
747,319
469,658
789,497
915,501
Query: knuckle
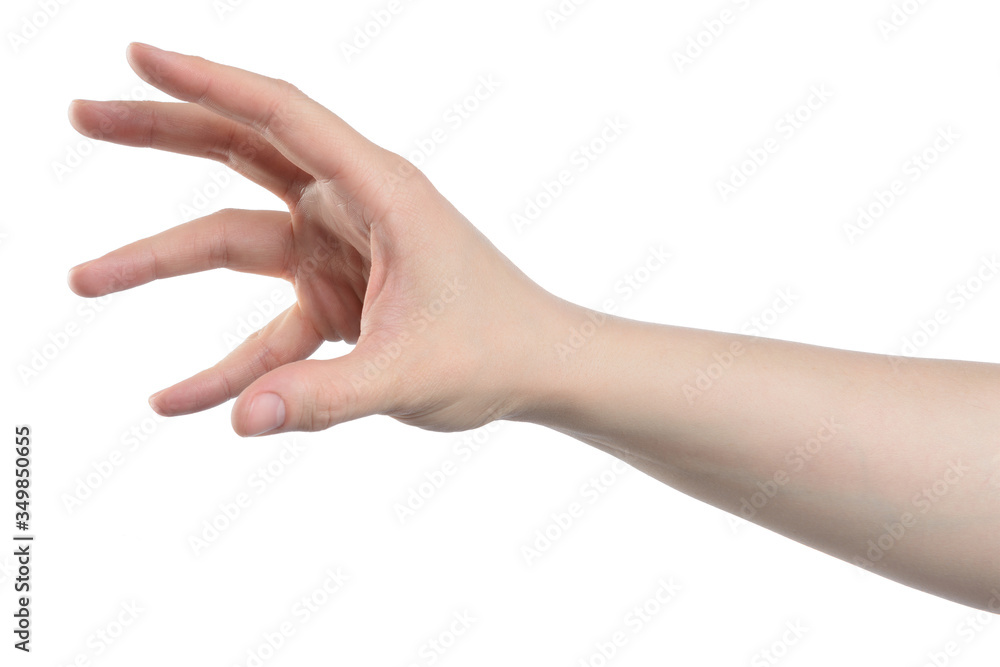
402,184
218,248
132,270
404,170
272,120
225,383
333,404
267,359
317,418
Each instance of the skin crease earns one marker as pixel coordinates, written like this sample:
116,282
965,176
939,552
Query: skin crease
903,468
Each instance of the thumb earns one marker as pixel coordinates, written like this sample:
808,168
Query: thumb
310,395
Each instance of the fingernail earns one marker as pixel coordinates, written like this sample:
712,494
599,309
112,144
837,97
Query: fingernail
267,412
152,402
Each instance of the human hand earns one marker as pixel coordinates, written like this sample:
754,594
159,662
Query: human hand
448,331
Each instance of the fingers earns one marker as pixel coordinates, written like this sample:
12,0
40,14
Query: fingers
288,337
249,241
308,134
189,129
311,395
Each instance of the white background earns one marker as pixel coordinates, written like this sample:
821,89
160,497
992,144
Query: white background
335,506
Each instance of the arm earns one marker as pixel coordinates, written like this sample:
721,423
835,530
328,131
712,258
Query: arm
831,448
889,463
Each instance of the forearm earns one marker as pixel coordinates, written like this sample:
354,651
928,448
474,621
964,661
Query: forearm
829,447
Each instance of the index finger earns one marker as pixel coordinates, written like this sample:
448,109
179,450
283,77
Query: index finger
306,132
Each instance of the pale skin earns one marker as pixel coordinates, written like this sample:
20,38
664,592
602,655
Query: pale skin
892,464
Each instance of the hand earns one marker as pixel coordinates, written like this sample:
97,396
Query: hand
446,328
450,335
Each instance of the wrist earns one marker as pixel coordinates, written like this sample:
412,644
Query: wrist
560,364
